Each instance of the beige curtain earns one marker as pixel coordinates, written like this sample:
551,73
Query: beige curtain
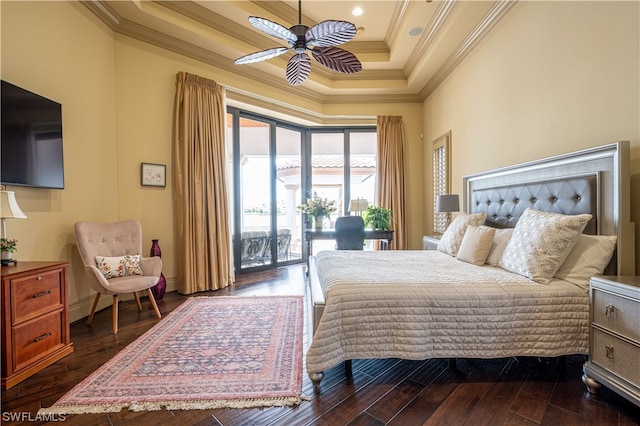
202,218
391,187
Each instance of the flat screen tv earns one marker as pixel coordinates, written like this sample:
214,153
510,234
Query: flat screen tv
31,144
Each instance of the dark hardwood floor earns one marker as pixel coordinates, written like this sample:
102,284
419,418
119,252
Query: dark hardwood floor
380,392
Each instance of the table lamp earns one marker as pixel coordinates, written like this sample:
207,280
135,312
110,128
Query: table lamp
358,206
9,209
447,203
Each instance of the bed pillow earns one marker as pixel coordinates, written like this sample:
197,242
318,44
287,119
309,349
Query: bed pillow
121,266
452,237
589,257
541,242
500,241
476,244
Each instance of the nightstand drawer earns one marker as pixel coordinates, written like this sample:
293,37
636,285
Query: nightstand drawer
616,355
34,339
34,295
616,313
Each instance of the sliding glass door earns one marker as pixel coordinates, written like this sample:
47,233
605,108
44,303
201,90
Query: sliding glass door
276,166
267,176
288,187
343,168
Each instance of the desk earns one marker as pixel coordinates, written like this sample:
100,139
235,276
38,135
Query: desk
369,234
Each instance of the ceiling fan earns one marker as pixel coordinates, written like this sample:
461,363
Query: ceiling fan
320,40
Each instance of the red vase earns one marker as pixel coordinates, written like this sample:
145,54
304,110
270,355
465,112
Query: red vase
158,289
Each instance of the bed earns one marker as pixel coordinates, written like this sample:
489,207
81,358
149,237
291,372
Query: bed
431,304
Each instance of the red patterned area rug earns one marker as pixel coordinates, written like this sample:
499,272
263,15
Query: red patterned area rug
210,352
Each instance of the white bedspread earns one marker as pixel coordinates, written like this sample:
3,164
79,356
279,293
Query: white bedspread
426,304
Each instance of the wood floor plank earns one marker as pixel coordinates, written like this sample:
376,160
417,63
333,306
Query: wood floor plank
433,394
495,404
457,408
532,400
348,409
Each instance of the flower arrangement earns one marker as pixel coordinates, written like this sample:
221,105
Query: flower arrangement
317,207
8,245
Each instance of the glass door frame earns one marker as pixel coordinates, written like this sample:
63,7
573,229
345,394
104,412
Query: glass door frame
307,151
273,124
306,133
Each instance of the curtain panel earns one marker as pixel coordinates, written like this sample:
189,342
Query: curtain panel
203,256
391,181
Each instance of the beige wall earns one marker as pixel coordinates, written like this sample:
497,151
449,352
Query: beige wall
60,51
552,78
117,95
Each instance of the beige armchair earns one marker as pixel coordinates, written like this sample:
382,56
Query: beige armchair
113,240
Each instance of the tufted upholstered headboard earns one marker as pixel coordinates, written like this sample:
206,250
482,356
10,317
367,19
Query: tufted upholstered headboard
594,181
505,204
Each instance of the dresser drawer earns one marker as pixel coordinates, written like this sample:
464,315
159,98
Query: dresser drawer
34,295
616,355
617,313
35,339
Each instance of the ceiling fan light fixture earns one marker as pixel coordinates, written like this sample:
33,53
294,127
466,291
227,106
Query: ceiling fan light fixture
320,39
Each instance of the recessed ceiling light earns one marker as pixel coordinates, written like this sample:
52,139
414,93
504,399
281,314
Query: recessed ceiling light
357,11
415,31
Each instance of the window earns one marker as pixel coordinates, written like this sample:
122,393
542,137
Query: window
441,178
276,165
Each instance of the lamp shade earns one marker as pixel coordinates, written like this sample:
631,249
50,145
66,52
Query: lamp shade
447,203
9,208
358,205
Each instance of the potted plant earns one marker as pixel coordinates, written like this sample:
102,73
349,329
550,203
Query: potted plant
7,247
318,208
377,218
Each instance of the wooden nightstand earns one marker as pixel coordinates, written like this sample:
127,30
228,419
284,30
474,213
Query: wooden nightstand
35,318
614,344
430,242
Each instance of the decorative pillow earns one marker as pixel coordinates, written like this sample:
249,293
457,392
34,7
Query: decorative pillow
476,244
540,242
122,266
500,241
452,237
589,257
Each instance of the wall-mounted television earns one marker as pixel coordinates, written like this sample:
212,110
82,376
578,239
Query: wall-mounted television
31,145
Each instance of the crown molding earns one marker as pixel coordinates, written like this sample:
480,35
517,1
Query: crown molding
103,12
396,19
493,16
427,37
238,97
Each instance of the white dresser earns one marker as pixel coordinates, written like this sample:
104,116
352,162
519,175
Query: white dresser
614,345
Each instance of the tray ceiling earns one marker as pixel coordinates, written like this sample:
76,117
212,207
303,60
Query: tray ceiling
407,47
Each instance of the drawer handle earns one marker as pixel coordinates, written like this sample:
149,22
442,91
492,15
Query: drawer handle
44,293
609,351
44,336
608,310
39,278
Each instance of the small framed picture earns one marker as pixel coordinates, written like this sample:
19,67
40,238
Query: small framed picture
153,174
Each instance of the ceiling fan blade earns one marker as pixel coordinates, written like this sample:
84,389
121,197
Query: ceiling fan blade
298,69
330,33
337,59
273,28
262,55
